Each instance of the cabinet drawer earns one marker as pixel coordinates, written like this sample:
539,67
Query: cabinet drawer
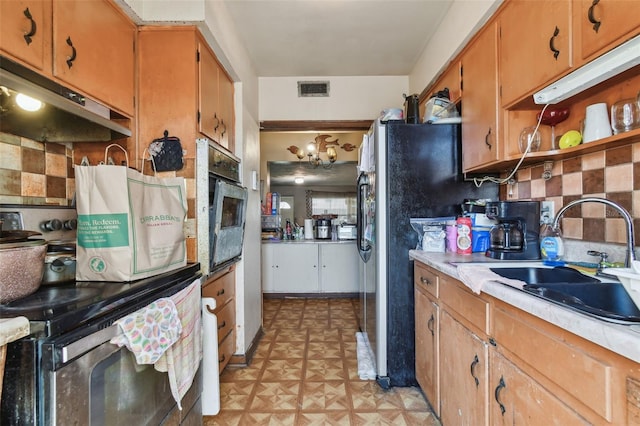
225,351
221,289
468,308
425,278
226,319
566,366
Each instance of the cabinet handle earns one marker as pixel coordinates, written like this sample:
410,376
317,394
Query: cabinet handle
430,323
223,325
224,128
501,386
215,117
487,139
32,31
71,58
220,292
424,280
221,359
555,51
475,362
592,19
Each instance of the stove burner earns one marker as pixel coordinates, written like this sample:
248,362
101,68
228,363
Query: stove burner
52,298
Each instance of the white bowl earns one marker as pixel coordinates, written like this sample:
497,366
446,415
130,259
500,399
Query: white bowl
630,280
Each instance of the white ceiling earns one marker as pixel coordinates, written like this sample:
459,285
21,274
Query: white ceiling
335,37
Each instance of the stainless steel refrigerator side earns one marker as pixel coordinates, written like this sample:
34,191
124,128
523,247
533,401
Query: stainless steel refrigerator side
381,250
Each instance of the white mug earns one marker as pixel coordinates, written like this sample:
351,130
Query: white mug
596,123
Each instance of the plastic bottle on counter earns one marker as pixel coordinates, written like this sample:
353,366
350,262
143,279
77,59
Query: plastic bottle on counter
551,244
452,236
288,231
463,241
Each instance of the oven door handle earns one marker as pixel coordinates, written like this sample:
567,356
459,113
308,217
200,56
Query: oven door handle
91,341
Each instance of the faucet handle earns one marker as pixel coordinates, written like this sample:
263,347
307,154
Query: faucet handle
603,258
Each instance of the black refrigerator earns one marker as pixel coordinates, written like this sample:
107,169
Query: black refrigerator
405,171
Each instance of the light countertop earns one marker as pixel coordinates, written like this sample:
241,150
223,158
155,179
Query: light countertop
622,339
13,329
315,241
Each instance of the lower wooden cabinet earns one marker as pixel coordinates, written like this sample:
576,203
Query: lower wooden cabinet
489,363
519,400
221,287
427,337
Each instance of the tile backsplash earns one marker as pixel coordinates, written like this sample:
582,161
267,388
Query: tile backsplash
35,172
613,174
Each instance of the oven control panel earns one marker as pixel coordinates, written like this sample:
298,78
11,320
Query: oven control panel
53,222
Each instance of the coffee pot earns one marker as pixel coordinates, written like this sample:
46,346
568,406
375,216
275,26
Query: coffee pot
516,234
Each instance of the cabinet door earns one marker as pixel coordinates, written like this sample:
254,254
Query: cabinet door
463,374
603,24
209,94
295,268
427,333
26,31
535,46
480,131
93,50
267,266
518,400
338,268
227,125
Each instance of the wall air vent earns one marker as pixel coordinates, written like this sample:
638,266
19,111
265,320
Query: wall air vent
313,89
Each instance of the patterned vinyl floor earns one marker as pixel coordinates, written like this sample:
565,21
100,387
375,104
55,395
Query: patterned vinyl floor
305,372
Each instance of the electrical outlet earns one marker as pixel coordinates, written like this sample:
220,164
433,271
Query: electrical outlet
547,212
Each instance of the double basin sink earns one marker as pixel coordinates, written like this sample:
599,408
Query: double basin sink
607,300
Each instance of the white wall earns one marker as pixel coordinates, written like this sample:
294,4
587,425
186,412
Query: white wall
351,98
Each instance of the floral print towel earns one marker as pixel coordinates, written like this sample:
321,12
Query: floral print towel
150,331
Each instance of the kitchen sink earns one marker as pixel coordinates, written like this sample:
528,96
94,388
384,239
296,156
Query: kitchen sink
567,287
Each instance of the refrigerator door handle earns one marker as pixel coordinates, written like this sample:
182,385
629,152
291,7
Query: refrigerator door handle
364,249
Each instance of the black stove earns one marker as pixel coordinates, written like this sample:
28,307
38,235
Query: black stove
59,308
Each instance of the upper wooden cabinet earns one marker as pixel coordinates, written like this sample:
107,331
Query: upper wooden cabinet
180,91
480,129
535,45
603,24
67,40
226,130
26,32
93,49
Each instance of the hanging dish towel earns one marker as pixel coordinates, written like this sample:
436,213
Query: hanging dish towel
182,360
150,331
475,277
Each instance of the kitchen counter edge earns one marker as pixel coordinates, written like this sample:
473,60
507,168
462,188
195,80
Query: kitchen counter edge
619,338
308,241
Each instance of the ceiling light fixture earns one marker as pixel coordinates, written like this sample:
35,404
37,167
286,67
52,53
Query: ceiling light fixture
315,148
612,63
299,180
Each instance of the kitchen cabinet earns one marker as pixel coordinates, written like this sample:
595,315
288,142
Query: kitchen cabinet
602,25
226,104
518,400
500,365
26,32
307,267
534,40
68,44
427,334
481,133
180,92
338,268
464,372
221,287
450,79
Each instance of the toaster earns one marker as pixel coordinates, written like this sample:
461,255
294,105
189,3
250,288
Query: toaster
347,232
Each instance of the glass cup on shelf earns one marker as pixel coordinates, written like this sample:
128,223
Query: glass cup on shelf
528,137
625,116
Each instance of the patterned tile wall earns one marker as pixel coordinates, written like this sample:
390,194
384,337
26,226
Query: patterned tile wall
613,174
35,172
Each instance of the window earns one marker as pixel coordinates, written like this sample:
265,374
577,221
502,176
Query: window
341,204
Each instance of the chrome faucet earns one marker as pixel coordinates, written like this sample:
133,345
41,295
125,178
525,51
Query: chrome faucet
625,215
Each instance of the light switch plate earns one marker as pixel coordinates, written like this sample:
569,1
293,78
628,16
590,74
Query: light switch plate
254,180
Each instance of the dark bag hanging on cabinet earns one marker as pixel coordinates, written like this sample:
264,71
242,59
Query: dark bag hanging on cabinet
167,153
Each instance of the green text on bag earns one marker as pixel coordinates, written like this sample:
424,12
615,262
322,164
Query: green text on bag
103,230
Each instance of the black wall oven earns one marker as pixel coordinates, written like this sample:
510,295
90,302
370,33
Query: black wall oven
227,209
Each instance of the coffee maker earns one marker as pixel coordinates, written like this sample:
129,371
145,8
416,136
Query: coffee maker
516,234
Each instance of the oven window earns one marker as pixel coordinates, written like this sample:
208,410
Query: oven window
231,212
124,393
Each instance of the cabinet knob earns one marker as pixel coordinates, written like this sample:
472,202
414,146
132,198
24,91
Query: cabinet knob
221,359
223,325
32,31
592,18
220,292
425,281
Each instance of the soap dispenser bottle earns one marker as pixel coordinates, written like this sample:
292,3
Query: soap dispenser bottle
551,245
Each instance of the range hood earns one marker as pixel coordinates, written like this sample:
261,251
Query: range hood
65,115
